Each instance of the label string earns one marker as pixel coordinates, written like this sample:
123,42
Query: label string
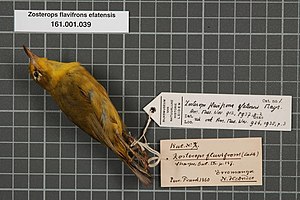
154,160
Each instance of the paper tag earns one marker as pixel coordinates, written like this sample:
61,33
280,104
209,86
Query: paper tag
251,112
72,21
211,162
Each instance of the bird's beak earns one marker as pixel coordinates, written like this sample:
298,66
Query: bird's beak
31,55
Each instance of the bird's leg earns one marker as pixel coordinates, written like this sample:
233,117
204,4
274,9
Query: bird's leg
143,153
140,155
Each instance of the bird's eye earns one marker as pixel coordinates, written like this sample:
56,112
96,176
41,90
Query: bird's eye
35,74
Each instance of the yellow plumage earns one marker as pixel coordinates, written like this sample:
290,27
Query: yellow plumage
87,104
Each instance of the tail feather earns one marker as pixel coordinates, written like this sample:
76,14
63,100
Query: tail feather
143,176
134,157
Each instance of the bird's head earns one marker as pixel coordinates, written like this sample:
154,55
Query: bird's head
46,72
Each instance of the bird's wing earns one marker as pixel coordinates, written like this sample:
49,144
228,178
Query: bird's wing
87,104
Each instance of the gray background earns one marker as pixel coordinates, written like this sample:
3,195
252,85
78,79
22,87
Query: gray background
234,47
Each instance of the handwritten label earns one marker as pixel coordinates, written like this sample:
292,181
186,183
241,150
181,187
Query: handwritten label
71,21
254,112
211,162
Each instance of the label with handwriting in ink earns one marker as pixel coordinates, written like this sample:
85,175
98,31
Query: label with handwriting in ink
222,111
211,162
71,21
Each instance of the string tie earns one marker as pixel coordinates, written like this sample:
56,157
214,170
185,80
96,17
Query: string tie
154,160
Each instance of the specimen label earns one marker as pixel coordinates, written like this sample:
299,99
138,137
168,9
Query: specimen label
222,111
71,21
211,162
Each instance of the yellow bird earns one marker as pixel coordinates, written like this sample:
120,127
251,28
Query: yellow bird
86,103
